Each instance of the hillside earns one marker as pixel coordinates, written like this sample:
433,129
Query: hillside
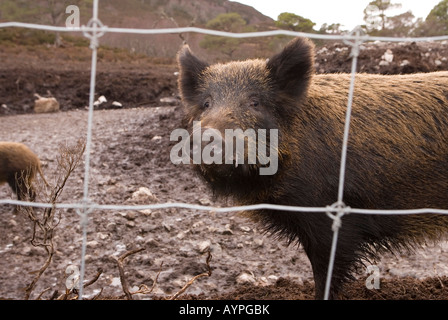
143,12
138,14
168,14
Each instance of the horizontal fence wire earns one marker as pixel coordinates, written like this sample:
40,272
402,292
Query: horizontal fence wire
260,206
95,29
106,29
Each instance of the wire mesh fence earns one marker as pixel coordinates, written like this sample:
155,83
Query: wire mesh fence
95,29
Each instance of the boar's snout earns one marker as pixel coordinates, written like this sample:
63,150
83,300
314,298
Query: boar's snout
222,150
232,152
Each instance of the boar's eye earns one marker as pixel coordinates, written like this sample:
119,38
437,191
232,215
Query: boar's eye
254,103
206,104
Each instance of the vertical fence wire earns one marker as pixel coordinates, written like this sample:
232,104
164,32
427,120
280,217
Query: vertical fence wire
339,205
86,210
96,29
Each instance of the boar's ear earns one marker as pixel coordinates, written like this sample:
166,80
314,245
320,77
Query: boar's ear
292,68
190,73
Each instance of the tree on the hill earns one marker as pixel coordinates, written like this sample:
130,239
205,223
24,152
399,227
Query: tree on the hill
375,14
229,22
291,21
437,20
435,24
401,25
334,28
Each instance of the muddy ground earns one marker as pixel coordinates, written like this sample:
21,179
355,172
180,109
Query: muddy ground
130,151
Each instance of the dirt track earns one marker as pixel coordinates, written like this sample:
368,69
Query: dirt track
130,150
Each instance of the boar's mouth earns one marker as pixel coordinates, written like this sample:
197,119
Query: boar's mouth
235,169
237,181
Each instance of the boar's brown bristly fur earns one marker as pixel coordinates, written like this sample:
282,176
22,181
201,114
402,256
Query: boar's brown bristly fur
397,155
18,167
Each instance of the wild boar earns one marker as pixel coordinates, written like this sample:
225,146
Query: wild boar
18,167
397,155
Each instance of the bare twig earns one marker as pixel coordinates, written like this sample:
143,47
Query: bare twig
44,225
95,278
54,296
189,283
68,292
40,295
98,295
124,282
30,287
143,289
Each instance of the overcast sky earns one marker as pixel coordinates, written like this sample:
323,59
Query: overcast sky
349,13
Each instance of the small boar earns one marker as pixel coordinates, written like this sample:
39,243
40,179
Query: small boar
45,105
397,154
18,167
